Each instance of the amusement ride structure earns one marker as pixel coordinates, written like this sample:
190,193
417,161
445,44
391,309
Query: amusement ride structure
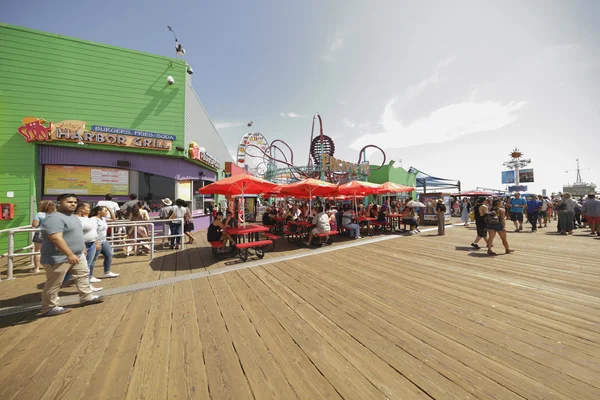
275,161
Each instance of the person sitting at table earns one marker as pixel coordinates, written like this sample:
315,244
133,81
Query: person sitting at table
361,210
267,218
216,231
229,222
408,218
373,211
332,220
347,223
321,220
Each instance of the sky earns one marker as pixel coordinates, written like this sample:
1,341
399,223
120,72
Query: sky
449,88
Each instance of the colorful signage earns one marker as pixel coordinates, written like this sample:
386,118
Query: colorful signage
526,176
33,130
520,188
508,177
334,165
185,190
81,180
203,156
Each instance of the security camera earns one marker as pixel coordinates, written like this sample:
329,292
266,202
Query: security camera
170,80
190,70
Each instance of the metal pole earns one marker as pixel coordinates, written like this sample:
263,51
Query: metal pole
11,250
182,233
135,240
31,234
151,242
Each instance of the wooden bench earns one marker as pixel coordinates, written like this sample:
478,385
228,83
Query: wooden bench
258,246
327,236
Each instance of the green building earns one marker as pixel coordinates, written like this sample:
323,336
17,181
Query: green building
389,173
89,119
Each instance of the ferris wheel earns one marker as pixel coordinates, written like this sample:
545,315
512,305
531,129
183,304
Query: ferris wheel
251,152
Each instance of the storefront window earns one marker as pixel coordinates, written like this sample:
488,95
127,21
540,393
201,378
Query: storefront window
153,188
202,202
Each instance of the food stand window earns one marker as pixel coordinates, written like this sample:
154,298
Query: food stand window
202,202
153,188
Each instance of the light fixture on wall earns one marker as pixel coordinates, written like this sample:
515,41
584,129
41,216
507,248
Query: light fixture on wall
201,173
179,50
180,148
190,70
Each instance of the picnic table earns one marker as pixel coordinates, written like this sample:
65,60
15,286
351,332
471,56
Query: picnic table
248,233
395,221
247,238
303,230
368,220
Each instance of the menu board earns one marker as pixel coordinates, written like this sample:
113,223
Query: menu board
93,181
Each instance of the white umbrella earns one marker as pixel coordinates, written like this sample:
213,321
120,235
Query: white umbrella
414,204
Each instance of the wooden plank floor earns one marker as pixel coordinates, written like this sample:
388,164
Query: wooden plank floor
410,317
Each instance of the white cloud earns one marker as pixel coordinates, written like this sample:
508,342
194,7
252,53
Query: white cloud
442,125
226,125
337,42
290,115
434,78
348,124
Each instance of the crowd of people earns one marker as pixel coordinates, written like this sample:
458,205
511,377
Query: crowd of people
326,217
73,235
491,214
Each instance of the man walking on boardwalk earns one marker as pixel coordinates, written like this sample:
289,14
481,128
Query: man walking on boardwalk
63,250
533,209
517,206
440,211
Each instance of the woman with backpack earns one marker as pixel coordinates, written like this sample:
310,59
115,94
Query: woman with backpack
496,223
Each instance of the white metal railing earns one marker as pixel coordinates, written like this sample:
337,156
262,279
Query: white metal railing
116,242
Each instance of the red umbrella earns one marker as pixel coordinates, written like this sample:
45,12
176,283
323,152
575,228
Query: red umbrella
309,188
391,187
474,193
239,185
344,197
356,188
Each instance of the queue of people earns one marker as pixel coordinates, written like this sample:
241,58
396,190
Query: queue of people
72,236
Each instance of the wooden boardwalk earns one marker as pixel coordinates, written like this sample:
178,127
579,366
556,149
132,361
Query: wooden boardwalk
410,317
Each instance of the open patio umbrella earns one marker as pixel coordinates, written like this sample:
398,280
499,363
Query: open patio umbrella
356,188
309,188
239,185
474,193
414,203
391,187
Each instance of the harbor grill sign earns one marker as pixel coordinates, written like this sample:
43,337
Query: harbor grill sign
34,130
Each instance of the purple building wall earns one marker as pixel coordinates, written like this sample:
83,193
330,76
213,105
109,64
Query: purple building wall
169,167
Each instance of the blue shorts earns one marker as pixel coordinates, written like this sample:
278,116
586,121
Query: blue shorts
516,216
496,227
